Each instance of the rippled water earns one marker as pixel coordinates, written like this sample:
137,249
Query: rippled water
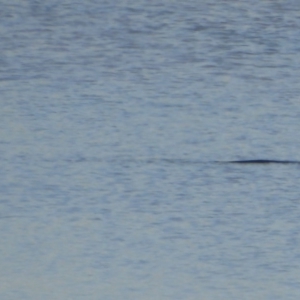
114,118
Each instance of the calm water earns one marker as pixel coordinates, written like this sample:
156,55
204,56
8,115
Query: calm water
113,115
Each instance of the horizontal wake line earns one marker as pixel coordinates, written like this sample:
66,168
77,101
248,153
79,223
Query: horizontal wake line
248,161
262,161
180,161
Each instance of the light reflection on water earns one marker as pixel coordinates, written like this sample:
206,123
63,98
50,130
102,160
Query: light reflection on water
113,121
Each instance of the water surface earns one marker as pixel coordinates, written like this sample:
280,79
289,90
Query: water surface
113,119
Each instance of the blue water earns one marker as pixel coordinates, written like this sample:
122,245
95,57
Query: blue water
113,119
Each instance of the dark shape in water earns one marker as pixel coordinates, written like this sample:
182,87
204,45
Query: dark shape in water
264,161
